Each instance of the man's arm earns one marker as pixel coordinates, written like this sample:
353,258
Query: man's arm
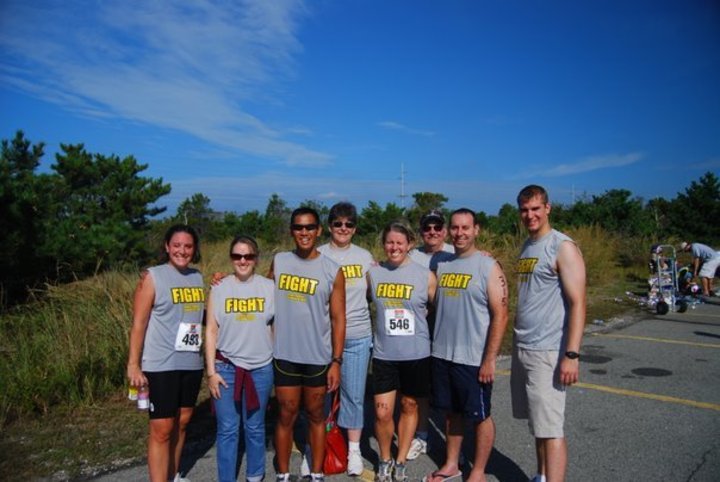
571,268
498,306
337,318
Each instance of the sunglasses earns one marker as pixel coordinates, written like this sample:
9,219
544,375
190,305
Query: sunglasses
340,224
432,227
238,257
300,227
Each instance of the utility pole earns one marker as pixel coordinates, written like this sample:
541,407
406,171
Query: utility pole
402,186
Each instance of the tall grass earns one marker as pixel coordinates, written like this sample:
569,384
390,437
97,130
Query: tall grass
70,346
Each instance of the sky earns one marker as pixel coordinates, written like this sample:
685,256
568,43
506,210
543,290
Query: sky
372,100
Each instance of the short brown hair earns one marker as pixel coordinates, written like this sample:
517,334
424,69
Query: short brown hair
529,192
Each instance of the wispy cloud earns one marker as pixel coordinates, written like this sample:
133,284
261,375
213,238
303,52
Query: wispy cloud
189,66
396,126
587,164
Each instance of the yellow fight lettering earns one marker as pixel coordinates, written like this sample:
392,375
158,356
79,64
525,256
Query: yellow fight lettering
525,267
352,271
455,280
187,295
298,284
244,305
393,290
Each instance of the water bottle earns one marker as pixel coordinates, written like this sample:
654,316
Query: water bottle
132,393
143,399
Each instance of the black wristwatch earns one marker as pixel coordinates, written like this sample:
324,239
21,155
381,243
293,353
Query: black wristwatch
573,355
338,360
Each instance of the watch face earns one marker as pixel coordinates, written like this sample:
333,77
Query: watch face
572,355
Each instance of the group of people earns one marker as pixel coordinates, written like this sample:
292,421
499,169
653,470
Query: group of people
440,315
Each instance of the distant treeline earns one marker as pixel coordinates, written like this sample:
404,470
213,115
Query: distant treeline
95,212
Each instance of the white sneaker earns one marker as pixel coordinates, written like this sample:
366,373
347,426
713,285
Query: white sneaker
355,463
282,477
538,478
418,446
304,467
180,479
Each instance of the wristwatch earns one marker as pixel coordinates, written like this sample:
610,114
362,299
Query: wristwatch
338,360
573,355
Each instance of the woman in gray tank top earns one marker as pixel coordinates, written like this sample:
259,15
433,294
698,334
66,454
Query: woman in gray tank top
238,356
164,350
355,262
401,290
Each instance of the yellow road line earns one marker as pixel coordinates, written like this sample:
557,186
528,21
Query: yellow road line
659,340
634,393
651,396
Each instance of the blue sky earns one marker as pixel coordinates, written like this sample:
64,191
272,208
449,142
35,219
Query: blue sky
326,100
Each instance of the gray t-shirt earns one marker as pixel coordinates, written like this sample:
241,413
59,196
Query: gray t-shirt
541,318
243,310
302,308
704,252
177,311
462,317
423,258
401,297
355,262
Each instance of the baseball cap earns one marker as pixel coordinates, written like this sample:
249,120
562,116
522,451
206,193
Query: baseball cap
683,245
435,216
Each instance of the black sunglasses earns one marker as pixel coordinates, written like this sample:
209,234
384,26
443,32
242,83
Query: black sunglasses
435,227
238,256
340,224
300,227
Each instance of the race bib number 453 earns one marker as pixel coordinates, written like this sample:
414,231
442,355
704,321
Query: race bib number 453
399,322
189,337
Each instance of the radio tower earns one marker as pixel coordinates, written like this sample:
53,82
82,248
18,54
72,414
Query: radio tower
402,186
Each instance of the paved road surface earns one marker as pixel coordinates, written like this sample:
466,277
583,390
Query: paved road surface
648,408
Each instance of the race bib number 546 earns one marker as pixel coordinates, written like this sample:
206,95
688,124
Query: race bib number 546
189,337
399,322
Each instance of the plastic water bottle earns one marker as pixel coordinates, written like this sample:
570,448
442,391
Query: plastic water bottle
132,393
143,399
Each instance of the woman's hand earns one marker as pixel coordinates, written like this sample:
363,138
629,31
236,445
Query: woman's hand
135,376
214,381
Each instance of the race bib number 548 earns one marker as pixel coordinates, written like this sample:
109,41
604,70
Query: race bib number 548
399,322
189,337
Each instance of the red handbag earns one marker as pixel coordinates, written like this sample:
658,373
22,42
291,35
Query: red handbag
336,451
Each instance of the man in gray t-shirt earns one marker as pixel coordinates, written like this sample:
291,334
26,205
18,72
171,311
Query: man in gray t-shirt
705,264
549,323
472,312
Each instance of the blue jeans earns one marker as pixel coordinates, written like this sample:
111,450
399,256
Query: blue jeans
353,375
229,414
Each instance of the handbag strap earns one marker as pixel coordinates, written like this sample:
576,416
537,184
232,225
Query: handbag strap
335,407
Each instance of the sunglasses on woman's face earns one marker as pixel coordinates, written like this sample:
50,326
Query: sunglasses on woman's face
238,256
340,224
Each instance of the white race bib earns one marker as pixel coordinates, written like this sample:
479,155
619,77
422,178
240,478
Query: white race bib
189,337
399,322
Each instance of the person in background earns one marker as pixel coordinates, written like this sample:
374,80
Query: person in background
164,355
705,264
401,290
549,323
355,263
238,356
309,331
434,250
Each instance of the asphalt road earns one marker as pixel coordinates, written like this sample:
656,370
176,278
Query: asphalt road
647,408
